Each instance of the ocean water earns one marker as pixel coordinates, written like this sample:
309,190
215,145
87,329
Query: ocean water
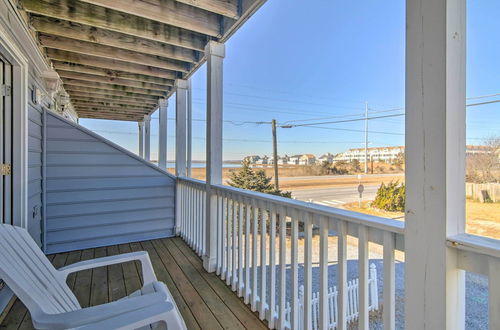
203,165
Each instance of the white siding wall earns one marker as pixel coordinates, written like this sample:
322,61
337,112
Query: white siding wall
35,171
100,194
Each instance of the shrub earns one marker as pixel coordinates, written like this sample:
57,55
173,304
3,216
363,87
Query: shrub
246,178
390,197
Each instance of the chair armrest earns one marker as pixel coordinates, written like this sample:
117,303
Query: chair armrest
142,256
92,315
135,320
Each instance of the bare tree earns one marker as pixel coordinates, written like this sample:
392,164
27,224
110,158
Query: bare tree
485,166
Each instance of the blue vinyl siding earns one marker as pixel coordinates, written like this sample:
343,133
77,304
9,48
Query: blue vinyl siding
99,194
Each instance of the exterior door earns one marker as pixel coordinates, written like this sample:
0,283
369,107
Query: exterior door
6,130
6,114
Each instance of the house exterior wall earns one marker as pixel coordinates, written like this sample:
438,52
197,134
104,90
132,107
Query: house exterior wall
99,194
35,161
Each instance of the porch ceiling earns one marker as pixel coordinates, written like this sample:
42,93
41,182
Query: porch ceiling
117,58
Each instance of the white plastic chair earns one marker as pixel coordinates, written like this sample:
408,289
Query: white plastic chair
43,289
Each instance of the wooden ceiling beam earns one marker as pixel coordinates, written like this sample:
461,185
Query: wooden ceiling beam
110,87
227,8
110,80
90,104
72,67
113,109
167,12
113,104
94,90
76,95
90,115
64,56
93,49
104,37
100,17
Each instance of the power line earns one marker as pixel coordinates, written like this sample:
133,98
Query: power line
342,121
230,140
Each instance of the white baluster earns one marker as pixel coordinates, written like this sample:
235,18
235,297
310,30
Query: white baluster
255,233
220,237
240,248
263,263
307,218
342,276
363,277
494,293
228,227
295,271
282,250
389,313
272,265
248,216
235,246
323,274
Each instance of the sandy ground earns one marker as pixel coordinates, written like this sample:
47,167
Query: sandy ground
483,219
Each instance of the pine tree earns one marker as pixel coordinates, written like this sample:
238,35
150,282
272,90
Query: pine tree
246,178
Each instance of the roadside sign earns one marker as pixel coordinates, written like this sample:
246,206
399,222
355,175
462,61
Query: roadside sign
361,188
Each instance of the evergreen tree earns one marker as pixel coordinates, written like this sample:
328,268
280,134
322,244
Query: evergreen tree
246,178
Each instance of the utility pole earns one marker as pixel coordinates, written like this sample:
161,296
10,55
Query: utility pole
275,155
366,137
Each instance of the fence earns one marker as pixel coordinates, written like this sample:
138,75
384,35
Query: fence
352,303
475,190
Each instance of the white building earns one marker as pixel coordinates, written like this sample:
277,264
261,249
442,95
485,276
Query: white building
307,159
386,154
328,157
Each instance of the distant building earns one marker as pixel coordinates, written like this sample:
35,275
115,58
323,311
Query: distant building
389,154
386,154
328,157
251,159
262,161
283,160
307,159
294,160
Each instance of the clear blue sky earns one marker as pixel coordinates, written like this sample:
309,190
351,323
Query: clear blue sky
298,60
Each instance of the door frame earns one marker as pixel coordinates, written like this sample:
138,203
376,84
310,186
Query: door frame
13,54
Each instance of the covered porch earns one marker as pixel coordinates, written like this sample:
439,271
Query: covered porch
232,258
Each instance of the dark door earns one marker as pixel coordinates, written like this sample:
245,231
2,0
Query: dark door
5,141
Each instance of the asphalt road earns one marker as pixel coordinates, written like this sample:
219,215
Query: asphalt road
334,196
350,176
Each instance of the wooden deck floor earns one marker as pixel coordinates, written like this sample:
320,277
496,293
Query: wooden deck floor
203,299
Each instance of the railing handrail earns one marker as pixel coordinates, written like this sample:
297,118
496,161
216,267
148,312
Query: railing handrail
191,180
476,244
385,224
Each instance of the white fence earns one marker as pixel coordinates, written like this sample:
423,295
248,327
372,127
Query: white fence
248,223
479,191
333,317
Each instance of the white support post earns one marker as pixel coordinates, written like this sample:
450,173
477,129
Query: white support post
180,127
189,128
435,162
162,142
215,53
147,138
141,138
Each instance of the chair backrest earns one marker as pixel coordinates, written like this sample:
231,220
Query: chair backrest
31,276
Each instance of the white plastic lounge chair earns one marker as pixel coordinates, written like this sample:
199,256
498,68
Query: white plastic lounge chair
43,289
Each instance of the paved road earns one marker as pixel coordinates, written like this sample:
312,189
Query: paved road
322,177
335,196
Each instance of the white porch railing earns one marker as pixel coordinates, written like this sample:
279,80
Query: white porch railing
248,223
190,210
481,255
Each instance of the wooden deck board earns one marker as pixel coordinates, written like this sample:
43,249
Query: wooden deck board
204,301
